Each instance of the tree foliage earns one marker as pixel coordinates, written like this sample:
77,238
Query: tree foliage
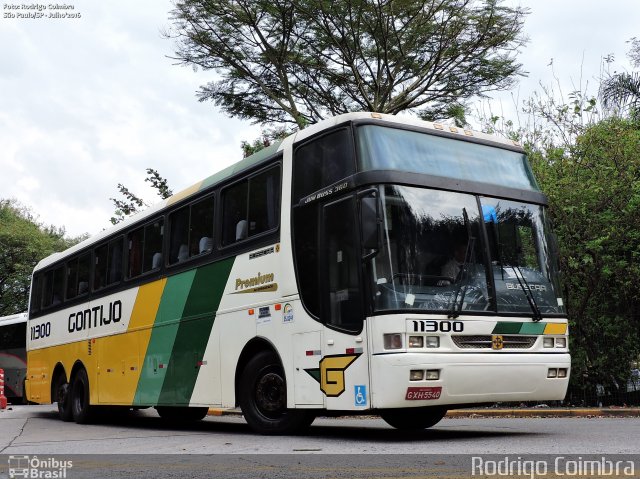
594,194
24,241
131,203
621,91
299,61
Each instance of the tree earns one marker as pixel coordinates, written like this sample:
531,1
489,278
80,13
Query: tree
594,195
299,61
24,241
621,91
131,203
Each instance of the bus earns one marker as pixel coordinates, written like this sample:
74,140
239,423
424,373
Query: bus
366,264
13,355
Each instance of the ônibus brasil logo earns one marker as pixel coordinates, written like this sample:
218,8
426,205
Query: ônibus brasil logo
36,468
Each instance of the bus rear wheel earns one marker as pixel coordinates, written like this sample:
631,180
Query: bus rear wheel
63,398
413,419
80,405
175,413
263,398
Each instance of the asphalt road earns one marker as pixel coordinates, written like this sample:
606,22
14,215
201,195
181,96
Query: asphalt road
333,447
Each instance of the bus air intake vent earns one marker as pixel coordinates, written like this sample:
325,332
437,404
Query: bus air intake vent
485,341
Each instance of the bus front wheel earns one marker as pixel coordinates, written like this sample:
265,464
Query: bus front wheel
413,419
80,406
263,398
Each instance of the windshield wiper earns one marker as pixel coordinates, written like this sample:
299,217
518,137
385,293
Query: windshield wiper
456,307
524,285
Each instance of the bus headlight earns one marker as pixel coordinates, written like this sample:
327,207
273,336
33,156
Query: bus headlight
416,375
561,342
548,342
392,341
416,341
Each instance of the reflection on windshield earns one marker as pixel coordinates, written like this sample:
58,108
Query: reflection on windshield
430,257
523,264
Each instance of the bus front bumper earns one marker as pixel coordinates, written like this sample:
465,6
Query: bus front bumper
467,378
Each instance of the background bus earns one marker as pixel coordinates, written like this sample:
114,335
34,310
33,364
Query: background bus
13,355
367,263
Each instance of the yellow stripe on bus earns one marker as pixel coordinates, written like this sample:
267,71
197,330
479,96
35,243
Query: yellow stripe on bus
184,193
122,355
555,328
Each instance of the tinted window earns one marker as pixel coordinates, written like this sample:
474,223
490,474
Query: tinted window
251,206
13,336
53,291
323,162
36,293
108,264
78,271
191,231
145,248
393,149
342,291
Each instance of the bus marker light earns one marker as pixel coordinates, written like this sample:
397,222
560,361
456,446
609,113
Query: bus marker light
377,116
416,375
313,353
278,307
553,373
432,375
251,312
353,351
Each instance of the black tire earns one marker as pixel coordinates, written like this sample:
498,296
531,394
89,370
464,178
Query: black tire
80,404
263,398
188,414
63,398
413,419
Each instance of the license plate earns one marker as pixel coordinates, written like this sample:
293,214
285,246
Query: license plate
423,393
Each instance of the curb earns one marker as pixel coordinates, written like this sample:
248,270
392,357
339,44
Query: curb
510,413
547,412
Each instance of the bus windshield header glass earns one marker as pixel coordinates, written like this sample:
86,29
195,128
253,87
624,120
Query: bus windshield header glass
383,148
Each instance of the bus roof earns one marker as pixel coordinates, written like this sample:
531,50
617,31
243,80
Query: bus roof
13,319
260,156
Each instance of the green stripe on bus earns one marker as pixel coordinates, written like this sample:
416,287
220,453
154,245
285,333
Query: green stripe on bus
165,329
507,328
194,331
532,328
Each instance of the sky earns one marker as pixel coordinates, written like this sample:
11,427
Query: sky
90,102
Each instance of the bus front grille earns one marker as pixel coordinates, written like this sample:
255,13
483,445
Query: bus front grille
485,341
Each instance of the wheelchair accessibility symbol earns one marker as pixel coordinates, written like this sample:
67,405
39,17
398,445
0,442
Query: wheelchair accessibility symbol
360,393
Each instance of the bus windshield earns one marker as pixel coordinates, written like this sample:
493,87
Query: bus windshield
432,257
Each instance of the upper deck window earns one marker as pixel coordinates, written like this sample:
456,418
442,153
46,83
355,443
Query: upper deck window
383,148
322,162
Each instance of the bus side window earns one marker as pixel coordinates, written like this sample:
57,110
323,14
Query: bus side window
100,267
323,162
153,233
36,293
201,227
251,207
136,241
114,270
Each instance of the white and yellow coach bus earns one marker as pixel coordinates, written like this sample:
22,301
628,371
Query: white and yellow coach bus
367,263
